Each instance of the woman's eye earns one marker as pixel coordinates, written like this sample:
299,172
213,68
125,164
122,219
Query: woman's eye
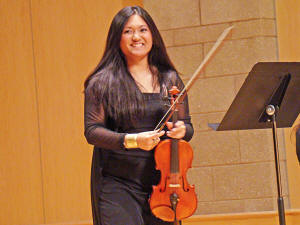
144,30
127,32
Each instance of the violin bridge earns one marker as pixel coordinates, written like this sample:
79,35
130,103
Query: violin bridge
174,185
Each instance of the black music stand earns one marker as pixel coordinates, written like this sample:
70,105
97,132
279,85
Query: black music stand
269,98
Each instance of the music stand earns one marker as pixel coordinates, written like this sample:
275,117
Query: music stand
269,98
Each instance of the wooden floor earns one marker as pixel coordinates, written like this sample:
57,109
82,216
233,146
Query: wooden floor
292,217
258,218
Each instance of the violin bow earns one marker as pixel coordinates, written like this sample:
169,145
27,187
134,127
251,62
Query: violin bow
194,76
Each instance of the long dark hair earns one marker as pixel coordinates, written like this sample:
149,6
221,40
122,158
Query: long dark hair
111,83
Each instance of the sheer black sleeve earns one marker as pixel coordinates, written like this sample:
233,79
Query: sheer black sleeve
183,108
95,129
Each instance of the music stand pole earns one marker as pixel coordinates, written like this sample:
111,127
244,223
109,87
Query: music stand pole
271,111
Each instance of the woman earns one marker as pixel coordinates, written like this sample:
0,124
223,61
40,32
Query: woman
125,97
295,137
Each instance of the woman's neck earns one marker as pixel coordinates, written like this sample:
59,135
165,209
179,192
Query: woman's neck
141,73
139,68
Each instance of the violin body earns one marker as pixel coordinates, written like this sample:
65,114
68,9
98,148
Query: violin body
173,158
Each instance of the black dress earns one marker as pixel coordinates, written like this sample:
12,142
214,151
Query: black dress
121,179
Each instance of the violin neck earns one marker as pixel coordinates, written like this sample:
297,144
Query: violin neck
174,167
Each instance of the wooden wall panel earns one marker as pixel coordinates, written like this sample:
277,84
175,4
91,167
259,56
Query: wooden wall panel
132,3
288,23
21,191
45,160
69,39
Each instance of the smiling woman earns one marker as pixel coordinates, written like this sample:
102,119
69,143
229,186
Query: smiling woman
125,98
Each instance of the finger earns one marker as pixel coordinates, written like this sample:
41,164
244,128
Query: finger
169,125
176,136
151,133
157,134
156,141
178,132
173,132
172,135
161,133
179,123
179,126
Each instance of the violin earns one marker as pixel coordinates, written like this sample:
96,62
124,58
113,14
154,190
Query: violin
173,198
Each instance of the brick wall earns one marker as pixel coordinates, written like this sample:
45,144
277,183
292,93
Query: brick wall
233,171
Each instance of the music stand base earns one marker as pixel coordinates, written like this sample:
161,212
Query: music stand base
281,213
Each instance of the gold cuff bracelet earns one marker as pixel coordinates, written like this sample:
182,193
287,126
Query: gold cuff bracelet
130,141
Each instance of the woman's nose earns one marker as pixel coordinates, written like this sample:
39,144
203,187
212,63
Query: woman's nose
136,36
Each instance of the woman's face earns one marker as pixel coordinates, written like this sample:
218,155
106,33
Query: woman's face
136,40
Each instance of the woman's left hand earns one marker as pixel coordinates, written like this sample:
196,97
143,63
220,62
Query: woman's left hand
178,131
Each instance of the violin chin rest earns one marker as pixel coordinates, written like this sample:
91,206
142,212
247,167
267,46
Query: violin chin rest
164,212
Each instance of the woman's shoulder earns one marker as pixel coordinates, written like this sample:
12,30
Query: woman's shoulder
98,79
170,73
171,77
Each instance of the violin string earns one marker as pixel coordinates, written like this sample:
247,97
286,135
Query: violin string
197,72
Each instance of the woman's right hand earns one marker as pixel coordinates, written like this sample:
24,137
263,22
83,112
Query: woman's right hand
149,139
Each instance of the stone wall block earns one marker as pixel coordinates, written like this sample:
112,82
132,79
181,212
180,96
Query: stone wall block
226,181
266,8
239,56
237,206
254,28
281,143
286,203
234,57
244,181
200,121
283,176
186,58
211,95
210,33
168,37
257,145
261,204
232,10
266,49
201,34
238,82
257,180
215,148
201,177
219,207
170,14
